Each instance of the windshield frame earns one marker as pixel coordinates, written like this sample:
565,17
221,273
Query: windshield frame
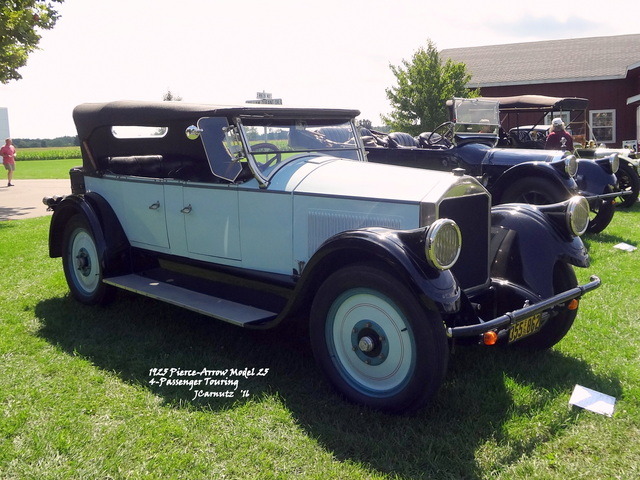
485,120
263,175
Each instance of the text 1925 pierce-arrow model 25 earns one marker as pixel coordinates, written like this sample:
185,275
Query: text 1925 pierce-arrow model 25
468,141
254,217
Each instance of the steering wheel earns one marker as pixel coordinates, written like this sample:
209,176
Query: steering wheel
442,134
268,147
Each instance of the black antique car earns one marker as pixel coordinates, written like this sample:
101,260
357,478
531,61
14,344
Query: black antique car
252,216
526,120
469,142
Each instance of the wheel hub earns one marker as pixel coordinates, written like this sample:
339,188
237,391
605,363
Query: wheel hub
369,342
83,262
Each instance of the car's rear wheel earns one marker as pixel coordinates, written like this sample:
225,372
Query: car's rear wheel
81,263
564,278
375,342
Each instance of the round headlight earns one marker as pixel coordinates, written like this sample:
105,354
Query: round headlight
577,215
615,162
442,244
571,165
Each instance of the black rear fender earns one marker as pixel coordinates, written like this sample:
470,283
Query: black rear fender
111,241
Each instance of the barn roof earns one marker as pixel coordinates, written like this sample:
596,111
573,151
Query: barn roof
553,61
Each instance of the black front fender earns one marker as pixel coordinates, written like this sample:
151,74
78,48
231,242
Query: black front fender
594,177
392,251
566,186
525,246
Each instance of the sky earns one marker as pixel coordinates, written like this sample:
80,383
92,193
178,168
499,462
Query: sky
329,53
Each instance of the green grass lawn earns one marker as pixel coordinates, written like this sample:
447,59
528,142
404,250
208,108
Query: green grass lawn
45,169
76,399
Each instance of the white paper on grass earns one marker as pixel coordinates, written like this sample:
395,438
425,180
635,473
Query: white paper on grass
588,399
625,246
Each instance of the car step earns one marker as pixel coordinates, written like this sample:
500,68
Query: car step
209,305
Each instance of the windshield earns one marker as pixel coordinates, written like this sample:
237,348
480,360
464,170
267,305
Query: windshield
474,115
275,141
259,145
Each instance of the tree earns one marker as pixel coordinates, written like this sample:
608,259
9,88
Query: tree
424,86
364,123
171,97
20,21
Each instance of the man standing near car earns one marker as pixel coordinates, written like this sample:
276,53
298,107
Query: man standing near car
8,153
559,138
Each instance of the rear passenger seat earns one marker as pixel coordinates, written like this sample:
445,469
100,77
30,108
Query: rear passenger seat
159,166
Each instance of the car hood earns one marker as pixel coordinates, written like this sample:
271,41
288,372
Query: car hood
515,156
355,179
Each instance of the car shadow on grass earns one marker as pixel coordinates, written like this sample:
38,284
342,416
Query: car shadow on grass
477,408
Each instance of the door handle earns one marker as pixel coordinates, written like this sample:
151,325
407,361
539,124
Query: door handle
154,206
187,209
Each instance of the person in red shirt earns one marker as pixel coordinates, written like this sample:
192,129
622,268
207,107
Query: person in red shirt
559,138
8,153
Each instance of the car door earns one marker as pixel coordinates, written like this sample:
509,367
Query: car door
139,203
211,220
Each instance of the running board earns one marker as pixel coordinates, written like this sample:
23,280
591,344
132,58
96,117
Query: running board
228,311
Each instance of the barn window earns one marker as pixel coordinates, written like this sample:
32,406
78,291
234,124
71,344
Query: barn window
603,125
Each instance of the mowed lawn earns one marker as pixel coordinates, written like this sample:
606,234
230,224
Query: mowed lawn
82,395
45,169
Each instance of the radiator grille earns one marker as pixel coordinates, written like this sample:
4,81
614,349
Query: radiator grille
471,213
326,223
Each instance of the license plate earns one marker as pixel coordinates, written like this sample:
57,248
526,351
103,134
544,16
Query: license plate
525,327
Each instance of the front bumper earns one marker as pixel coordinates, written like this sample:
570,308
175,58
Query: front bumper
606,196
504,322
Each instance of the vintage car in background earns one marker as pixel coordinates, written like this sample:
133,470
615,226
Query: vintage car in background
469,142
251,215
535,136
518,112
628,173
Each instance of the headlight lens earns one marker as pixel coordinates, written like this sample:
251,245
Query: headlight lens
577,215
442,244
571,165
615,162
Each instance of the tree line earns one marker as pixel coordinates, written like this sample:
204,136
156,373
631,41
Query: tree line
46,142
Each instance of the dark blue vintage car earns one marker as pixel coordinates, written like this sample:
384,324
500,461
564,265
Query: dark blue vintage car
533,176
526,118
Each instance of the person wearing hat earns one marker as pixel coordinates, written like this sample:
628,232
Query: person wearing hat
558,138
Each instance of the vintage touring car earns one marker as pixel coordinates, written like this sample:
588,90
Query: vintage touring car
534,176
518,111
250,215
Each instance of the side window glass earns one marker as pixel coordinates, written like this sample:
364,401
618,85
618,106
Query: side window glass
223,147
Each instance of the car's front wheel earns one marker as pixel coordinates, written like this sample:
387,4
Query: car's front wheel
629,182
81,263
601,215
564,278
375,342
534,190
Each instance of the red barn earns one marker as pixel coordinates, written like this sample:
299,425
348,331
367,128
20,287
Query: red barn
604,70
